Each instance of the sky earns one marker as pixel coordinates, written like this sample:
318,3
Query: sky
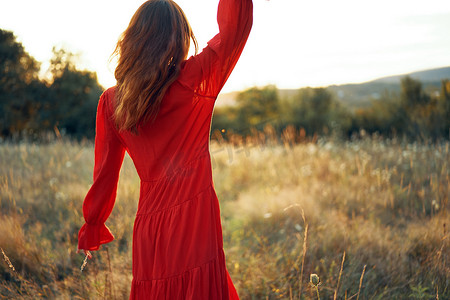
293,43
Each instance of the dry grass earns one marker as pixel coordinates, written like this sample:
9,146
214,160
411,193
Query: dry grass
384,203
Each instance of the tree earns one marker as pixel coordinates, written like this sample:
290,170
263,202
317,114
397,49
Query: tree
74,97
417,110
385,116
315,110
29,106
444,106
19,86
257,106
224,120
15,63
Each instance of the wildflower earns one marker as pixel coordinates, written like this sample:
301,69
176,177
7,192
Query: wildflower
315,280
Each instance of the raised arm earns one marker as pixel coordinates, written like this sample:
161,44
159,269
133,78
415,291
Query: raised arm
99,201
217,60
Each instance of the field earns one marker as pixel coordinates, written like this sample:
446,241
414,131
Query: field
369,216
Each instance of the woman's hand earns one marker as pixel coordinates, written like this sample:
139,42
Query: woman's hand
88,255
86,252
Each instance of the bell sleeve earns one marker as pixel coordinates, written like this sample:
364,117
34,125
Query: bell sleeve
99,201
217,60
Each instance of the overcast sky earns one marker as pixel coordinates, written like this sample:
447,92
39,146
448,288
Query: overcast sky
293,43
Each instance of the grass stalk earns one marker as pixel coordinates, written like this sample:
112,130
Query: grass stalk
303,262
360,281
110,276
8,261
339,278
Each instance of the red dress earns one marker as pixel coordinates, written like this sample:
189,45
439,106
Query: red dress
177,234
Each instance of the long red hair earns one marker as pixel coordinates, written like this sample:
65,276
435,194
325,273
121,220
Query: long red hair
150,52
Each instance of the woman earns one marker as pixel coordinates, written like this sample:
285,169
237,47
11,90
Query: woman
160,113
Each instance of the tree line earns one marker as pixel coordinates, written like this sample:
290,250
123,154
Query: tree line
65,103
412,113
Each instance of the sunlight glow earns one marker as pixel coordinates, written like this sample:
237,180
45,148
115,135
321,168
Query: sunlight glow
293,43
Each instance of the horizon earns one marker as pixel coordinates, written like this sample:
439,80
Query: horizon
326,43
353,83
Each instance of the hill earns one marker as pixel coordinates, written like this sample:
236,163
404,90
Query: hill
356,95
361,94
431,75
